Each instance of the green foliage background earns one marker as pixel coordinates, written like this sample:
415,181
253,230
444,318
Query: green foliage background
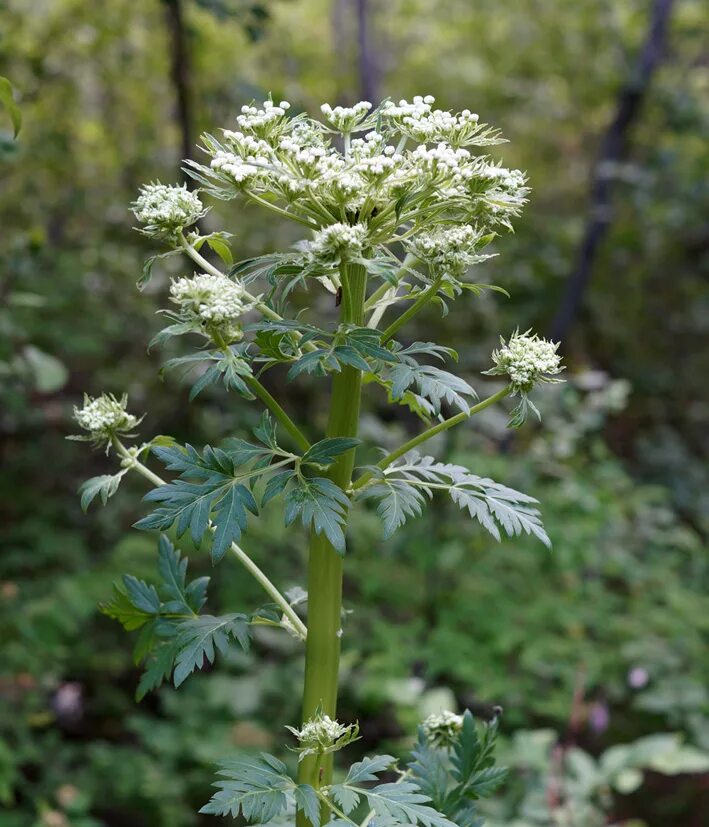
439,615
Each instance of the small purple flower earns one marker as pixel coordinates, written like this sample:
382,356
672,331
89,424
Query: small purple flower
638,677
599,717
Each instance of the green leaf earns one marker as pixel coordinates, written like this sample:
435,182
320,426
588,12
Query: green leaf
122,609
320,504
158,668
7,100
230,519
398,500
327,450
198,639
405,804
257,788
306,799
141,594
209,486
217,242
172,568
466,750
432,383
367,343
106,485
429,769
395,803
147,273
401,487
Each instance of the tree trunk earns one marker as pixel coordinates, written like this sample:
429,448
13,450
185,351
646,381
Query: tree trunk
180,74
366,56
613,150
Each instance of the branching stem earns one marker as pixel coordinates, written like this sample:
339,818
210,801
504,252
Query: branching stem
268,586
413,309
430,433
281,416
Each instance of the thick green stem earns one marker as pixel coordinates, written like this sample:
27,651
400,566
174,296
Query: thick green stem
325,565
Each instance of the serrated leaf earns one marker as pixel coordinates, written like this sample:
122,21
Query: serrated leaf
306,799
256,788
320,504
141,594
275,485
430,772
398,500
157,669
121,608
215,492
106,485
492,504
403,803
198,639
326,451
230,518
432,383
172,568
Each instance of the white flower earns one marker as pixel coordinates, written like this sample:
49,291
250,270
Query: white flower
338,242
449,250
167,209
213,300
346,118
526,360
321,735
104,416
442,729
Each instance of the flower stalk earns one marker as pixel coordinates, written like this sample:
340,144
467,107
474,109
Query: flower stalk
131,461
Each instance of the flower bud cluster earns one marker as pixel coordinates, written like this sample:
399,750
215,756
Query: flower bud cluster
418,120
345,118
526,360
442,729
104,417
215,302
321,735
449,250
263,122
165,210
337,243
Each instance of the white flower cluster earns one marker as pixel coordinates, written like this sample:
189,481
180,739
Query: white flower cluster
526,360
213,301
449,250
442,729
345,118
293,161
104,416
166,209
418,120
338,242
321,735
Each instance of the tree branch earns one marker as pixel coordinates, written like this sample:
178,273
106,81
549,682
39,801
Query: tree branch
613,150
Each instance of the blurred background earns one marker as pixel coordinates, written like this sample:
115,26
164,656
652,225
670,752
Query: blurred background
598,650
